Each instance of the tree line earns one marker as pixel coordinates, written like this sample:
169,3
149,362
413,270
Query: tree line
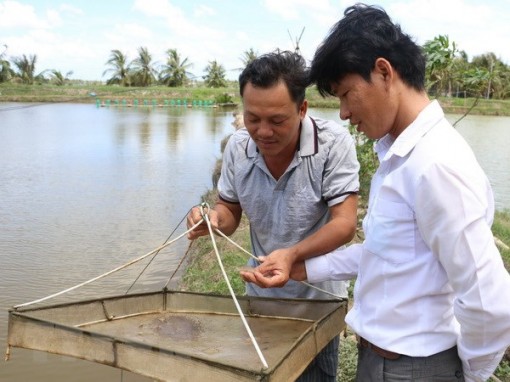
448,71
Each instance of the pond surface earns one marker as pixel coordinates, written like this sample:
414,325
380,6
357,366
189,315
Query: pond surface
489,137
84,190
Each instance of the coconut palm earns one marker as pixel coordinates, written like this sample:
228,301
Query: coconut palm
6,73
119,69
26,68
215,75
248,56
174,72
495,72
143,73
58,78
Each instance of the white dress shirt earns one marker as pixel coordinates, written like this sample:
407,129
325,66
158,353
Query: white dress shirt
429,275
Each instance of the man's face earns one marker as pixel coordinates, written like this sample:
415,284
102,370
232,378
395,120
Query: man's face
272,119
367,105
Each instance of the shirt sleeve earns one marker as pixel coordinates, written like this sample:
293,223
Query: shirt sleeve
226,183
341,170
454,213
340,264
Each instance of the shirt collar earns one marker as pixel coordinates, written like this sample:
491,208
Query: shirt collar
412,134
308,140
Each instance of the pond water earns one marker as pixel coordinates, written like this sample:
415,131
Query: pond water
84,190
489,137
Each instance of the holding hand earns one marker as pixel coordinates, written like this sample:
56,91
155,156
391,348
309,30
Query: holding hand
194,216
275,270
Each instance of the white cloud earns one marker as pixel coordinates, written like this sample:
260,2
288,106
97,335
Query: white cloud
130,33
71,9
158,8
286,9
204,11
298,9
475,27
14,14
53,18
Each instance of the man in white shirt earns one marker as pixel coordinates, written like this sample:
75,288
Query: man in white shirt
431,294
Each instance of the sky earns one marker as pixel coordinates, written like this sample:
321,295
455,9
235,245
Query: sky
79,35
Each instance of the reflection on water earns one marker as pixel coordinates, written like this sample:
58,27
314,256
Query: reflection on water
84,190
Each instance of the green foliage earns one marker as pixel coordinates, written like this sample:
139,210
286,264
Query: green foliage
215,75
248,56
118,68
347,359
59,79
440,59
175,72
223,98
501,230
367,159
26,68
6,72
203,273
142,72
503,371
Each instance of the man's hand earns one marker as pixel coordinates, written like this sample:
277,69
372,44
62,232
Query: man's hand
275,269
195,216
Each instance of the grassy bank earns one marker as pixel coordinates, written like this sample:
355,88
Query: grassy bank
91,92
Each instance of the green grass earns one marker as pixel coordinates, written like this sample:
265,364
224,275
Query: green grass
80,92
203,273
501,230
347,358
88,93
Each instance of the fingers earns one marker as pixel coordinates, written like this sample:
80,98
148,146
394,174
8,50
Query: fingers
193,218
267,280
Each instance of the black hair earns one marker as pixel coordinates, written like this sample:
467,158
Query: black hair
267,70
354,43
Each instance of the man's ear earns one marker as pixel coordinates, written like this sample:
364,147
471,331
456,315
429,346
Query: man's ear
303,109
384,68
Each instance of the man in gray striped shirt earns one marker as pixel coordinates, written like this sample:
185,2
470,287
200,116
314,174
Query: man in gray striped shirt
294,176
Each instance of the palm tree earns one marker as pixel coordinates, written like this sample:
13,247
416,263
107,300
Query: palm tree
6,73
215,77
26,68
119,69
59,79
175,73
143,72
248,56
495,72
